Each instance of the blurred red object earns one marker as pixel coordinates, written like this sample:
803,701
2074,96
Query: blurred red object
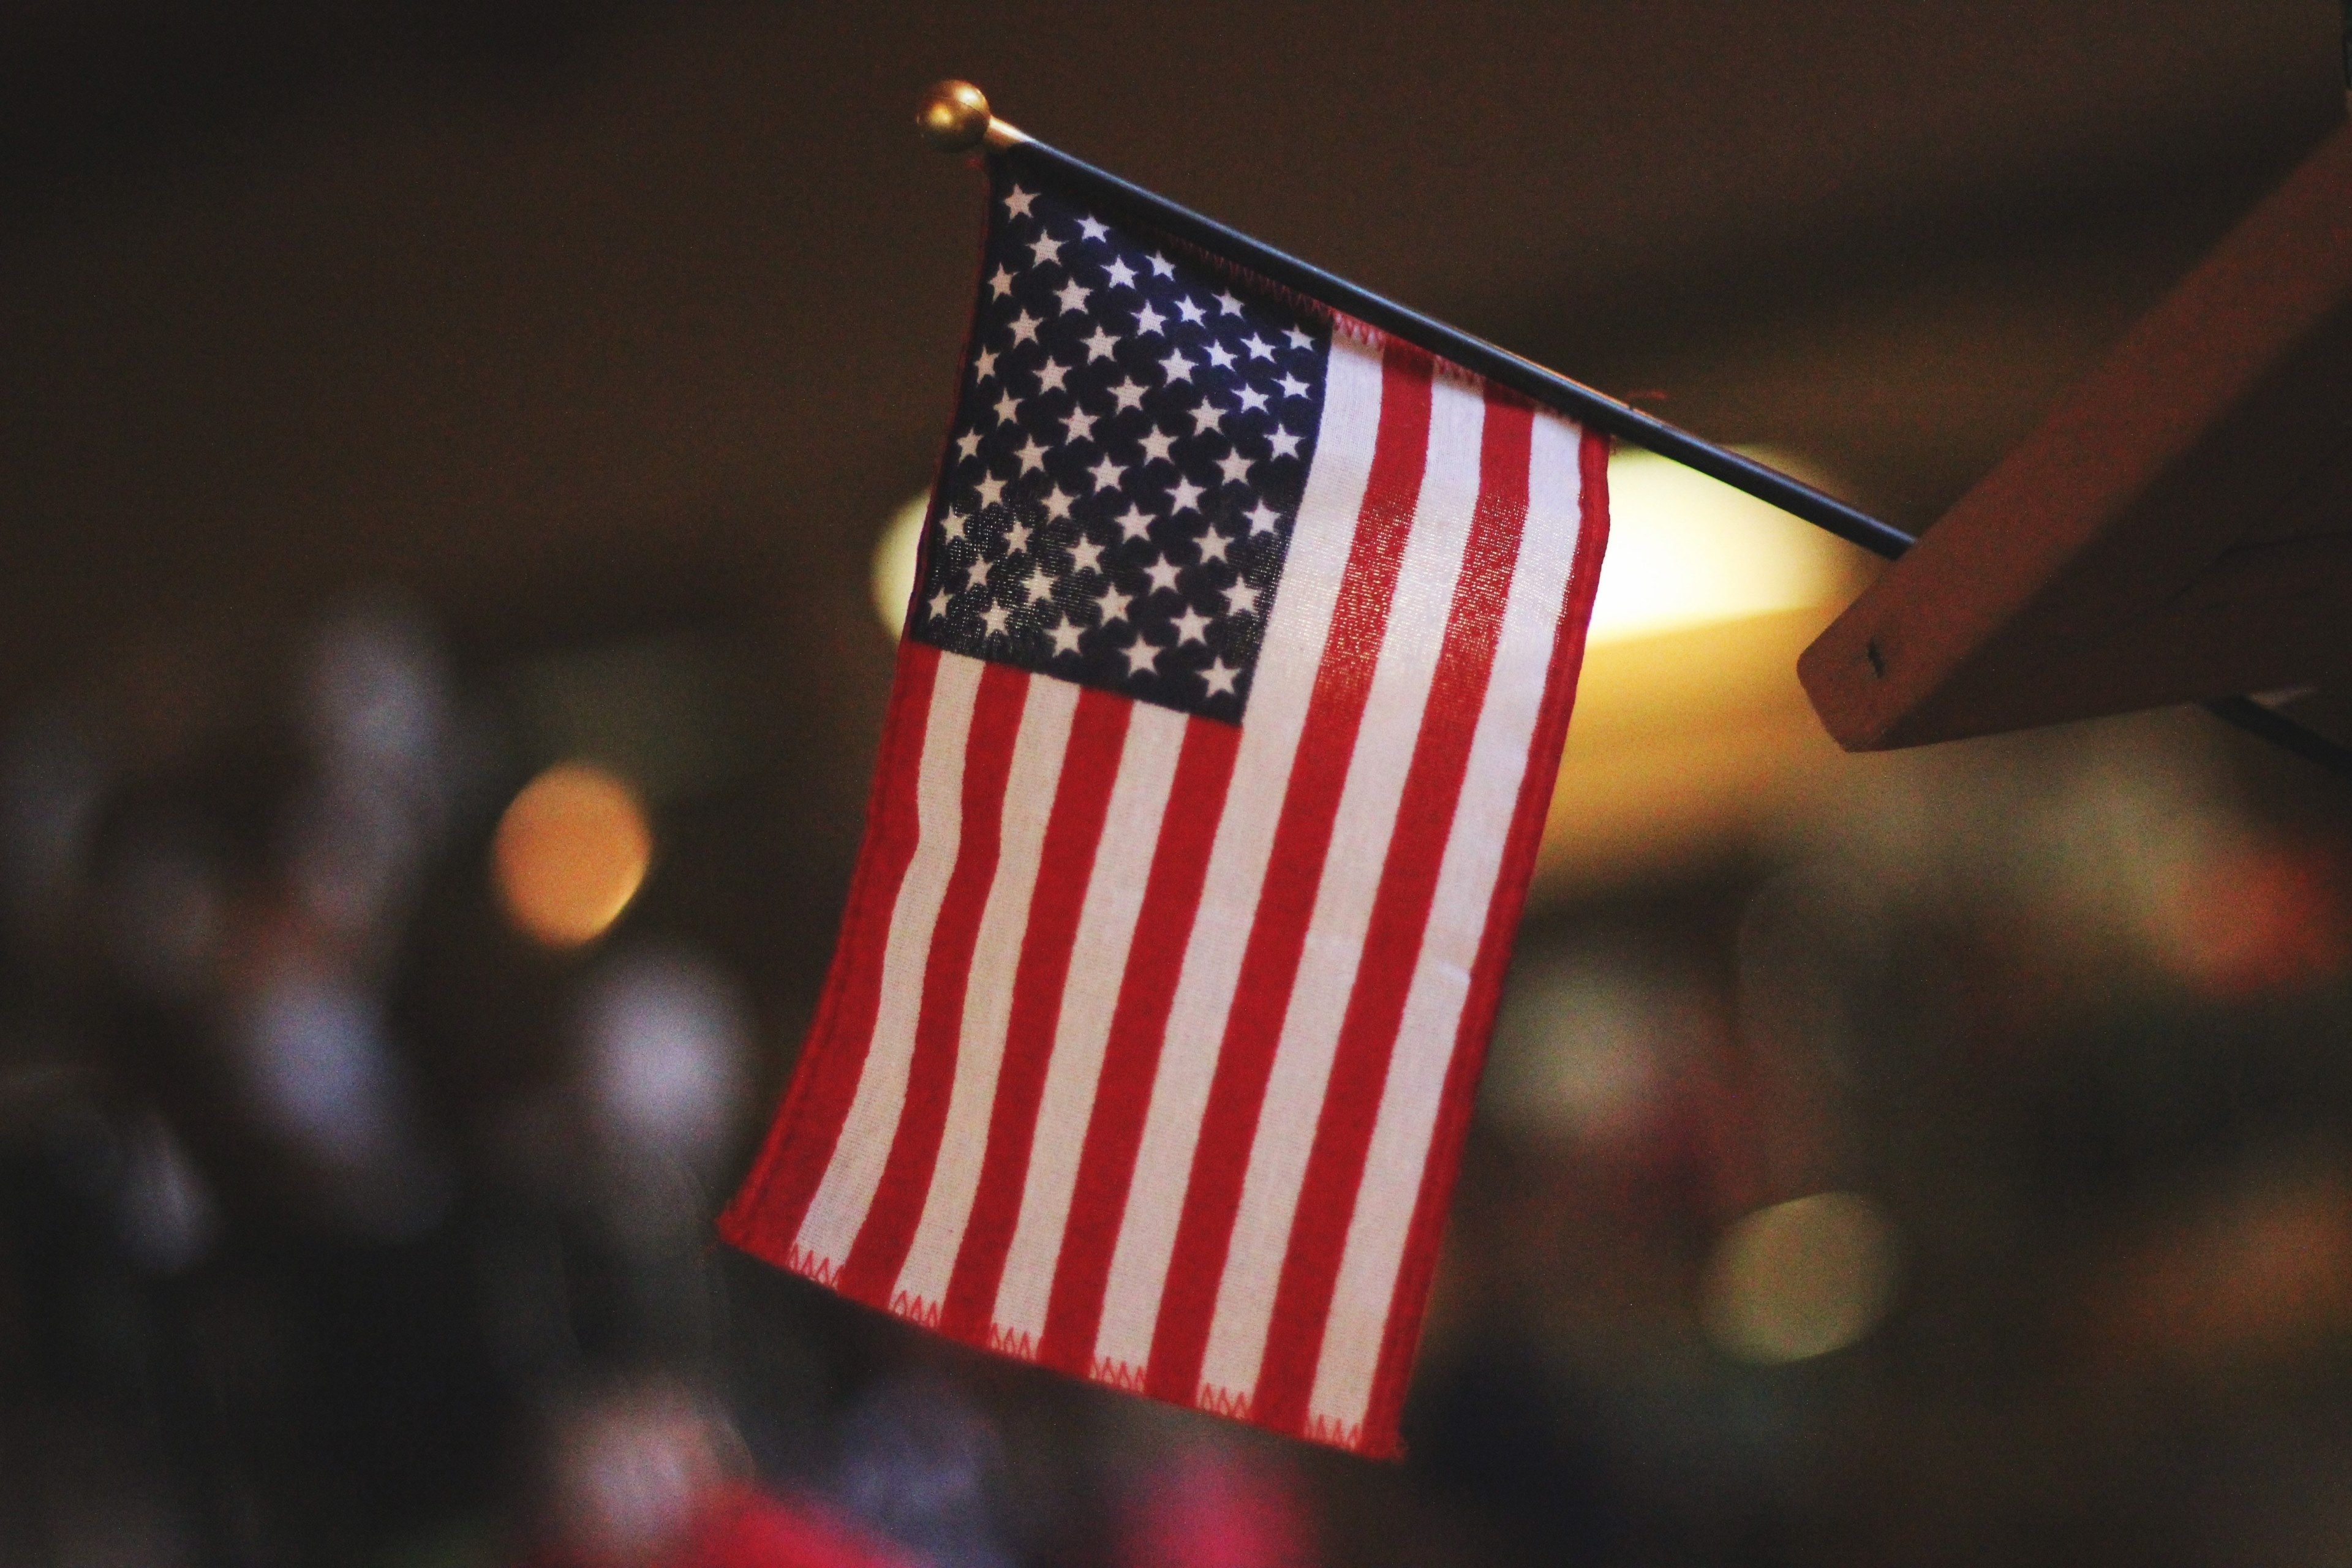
1208,1509
2262,918
739,1526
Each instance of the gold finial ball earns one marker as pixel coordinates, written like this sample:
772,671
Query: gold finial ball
954,117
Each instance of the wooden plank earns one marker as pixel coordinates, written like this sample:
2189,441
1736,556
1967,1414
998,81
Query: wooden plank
2179,528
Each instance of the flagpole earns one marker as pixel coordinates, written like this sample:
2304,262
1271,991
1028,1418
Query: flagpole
955,118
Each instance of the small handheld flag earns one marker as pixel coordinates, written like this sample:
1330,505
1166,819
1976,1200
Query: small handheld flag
1247,619
1238,663
1246,625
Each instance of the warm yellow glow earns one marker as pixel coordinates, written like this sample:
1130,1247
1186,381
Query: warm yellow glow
1686,747
1688,550
1691,738
894,561
1801,1279
570,853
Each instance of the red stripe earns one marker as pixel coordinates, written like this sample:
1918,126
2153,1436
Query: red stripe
1066,860
1310,801
1171,897
880,1250
1387,1402
1351,1101
765,1216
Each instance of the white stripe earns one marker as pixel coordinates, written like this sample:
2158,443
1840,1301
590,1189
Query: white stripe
1363,825
1313,566
1364,1294
1114,897
1037,750
838,1211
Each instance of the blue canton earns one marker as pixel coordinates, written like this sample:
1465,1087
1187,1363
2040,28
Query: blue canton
1131,441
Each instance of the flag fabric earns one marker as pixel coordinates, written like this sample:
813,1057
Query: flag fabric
1232,690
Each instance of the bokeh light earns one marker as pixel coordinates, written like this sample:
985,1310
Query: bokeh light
894,561
1801,1279
666,1043
571,852
1688,551
1587,1045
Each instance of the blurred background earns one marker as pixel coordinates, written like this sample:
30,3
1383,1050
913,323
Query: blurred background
453,460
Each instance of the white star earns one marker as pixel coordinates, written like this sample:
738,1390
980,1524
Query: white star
1072,297
1050,375
1234,467
1212,546
1016,538
1114,603
1187,495
991,491
1162,573
1086,555
1057,505
1253,400
983,365
1285,444
1149,319
1203,414
1045,248
1002,283
1259,347
967,444
995,616
1091,230
975,573
1221,356
1228,305
1106,474
1155,445
1038,584
1033,457
1100,345
1135,522
1065,638
1220,676
1241,599
1017,204
1079,425
1293,387
1126,395
951,527
1177,367
1299,339
1122,276
940,602
1190,625
1188,311
1142,658
1161,266
1025,328
1262,518
1005,407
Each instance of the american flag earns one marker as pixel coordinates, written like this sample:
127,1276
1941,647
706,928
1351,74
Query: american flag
1233,682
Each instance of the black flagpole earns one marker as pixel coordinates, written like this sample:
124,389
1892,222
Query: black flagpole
955,118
